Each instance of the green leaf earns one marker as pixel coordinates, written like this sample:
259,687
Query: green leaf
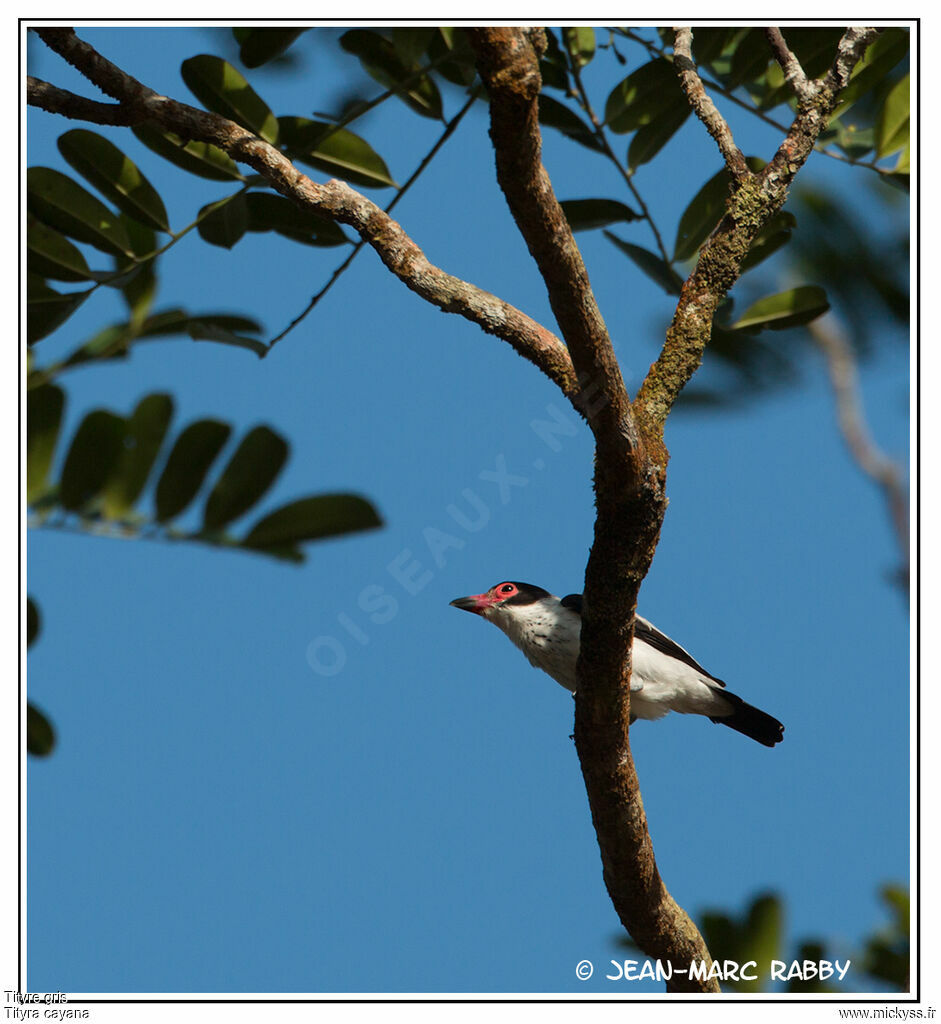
762,935
261,45
44,407
652,265
756,936
178,321
902,168
815,48
411,44
459,68
250,473
580,43
40,736
109,343
269,212
586,214
199,158
749,58
704,213
200,330
649,140
190,460
380,60
143,240
63,204
855,142
103,165
786,309
644,96
224,90
51,254
553,65
144,435
47,309
112,342
225,321
223,222
139,293
325,515
33,622
558,115
335,151
710,44
893,123
898,900
93,454
139,285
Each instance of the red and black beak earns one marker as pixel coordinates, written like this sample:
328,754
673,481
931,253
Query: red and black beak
476,603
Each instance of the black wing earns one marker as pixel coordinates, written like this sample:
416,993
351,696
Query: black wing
649,634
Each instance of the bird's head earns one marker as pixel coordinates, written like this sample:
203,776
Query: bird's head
503,601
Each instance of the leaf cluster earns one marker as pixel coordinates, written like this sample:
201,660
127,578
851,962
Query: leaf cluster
111,459
758,934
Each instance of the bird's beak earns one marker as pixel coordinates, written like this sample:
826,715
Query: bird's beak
476,603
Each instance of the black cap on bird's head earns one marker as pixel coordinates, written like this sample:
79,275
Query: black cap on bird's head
508,592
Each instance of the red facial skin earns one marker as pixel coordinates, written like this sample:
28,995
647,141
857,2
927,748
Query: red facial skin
494,596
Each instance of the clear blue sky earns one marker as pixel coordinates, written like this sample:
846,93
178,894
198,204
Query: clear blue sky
220,816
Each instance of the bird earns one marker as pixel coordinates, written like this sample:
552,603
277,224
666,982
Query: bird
664,676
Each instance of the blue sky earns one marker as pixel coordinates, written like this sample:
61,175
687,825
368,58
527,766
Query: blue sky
411,815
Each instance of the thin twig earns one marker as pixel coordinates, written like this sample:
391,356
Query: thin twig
449,130
601,136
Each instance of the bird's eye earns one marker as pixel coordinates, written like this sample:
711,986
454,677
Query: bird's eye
507,588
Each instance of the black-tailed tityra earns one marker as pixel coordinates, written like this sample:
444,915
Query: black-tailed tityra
664,677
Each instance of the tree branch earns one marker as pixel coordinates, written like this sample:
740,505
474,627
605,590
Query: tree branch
629,503
790,65
882,470
334,200
67,104
704,108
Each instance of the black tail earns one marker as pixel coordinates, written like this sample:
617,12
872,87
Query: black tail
751,722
